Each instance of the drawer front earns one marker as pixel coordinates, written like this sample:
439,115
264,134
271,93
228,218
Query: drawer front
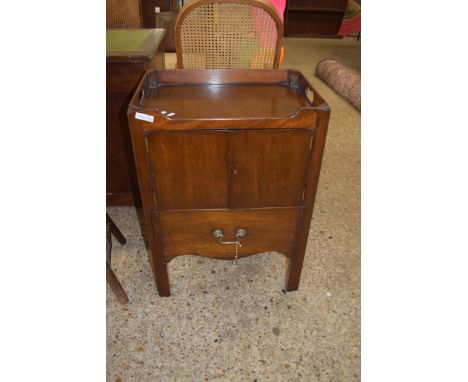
191,232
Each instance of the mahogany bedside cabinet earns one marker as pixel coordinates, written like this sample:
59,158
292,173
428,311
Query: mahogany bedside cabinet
228,163
129,53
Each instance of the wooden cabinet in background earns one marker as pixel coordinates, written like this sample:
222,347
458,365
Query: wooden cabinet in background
130,52
228,164
148,10
306,18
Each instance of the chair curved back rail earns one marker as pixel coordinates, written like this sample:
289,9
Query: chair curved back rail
228,34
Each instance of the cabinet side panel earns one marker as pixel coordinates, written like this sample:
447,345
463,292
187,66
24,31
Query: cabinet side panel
120,167
295,266
189,169
123,77
121,178
269,168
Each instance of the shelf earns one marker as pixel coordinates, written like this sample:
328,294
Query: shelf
314,17
314,9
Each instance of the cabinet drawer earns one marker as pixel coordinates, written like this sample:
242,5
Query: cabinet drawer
191,232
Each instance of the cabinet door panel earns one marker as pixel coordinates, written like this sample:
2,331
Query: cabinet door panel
189,169
268,168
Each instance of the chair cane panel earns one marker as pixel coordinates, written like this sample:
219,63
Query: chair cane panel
228,35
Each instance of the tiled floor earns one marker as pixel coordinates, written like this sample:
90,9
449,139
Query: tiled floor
228,322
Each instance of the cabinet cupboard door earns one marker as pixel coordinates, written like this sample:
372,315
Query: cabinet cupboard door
189,170
268,167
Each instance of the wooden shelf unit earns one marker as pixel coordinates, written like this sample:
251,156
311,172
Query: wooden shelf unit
310,18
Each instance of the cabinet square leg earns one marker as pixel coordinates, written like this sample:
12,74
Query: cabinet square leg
293,273
162,281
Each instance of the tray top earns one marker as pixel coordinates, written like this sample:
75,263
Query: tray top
133,43
226,101
225,94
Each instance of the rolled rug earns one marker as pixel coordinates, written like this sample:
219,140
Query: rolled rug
343,80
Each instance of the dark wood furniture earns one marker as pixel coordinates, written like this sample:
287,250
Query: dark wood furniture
228,164
313,18
112,280
148,10
167,20
129,53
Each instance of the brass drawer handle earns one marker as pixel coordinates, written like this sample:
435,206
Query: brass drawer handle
219,234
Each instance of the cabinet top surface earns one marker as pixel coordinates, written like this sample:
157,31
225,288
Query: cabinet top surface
132,43
223,94
226,101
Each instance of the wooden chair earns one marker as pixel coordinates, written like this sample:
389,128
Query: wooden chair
112,279
228,34
123,14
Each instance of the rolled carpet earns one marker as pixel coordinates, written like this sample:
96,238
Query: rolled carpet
346,82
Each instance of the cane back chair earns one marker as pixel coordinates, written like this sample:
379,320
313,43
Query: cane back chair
228,34
123,14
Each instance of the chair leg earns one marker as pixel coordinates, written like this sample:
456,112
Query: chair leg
115,231
111,278
115,285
